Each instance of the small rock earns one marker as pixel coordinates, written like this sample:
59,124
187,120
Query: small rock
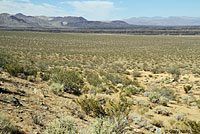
158,131
119,85
26,85
16,102
146,94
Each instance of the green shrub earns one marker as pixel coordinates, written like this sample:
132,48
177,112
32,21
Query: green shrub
133,90
67,125
163,101
155,97
29,69
93,79
165,92
71,80
14,68
175,72
92,106
126,82
57,89
193,126
6,126
5,59
113,78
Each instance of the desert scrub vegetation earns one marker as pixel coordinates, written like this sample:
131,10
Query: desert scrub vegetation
68,125
93,78
103,108
193,126
6,126
112,126
118,66
71,80
161,96
132,90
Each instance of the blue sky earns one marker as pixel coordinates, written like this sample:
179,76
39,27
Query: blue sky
103,9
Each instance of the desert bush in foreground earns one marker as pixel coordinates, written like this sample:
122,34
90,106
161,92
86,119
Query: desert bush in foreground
5,58
112,126
193,126
93,107
70,79
6,126
64,126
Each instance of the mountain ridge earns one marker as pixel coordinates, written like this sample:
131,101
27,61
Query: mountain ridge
21,20
164,21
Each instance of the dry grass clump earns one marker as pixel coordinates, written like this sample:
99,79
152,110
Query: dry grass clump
68,125
7,127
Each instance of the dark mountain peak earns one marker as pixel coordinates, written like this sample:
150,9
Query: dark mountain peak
70,19
20,15
119,22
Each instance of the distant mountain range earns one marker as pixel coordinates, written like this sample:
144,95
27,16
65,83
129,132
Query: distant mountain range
21,20
164,21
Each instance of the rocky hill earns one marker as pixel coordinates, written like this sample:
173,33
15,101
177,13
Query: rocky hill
21,20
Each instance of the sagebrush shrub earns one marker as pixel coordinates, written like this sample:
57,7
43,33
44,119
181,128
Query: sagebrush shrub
57,89
67,125
112,126
165,92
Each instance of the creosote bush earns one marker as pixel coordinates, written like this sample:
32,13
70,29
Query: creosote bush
133,90
93,78
71,80
93,107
